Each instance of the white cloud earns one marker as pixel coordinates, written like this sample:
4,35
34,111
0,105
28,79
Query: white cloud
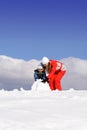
18,73
76,76
15,73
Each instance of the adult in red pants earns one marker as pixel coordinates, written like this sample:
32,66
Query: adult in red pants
55,71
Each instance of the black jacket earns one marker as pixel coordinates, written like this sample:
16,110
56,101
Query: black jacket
39,75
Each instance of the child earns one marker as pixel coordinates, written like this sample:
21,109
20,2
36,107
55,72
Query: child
39,73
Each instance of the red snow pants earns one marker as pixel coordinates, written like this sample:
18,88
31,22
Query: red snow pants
54,82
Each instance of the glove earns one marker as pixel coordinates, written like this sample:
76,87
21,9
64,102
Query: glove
45,80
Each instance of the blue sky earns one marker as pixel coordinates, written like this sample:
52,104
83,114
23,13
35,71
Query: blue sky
31,29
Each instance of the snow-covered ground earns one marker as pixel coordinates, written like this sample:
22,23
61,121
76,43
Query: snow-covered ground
37,107
43,109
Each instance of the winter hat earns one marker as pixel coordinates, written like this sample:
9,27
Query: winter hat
45,60
39,67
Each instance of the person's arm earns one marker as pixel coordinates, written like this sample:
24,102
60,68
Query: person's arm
45,79
35,75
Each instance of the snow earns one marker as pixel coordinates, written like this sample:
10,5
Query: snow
40,86
42,109
30,105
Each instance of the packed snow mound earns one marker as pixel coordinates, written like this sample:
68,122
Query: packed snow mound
40,86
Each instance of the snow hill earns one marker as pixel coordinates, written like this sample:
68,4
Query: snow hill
18,73
40,108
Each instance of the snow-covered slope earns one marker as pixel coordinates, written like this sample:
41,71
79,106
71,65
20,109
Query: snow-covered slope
18,73
43,110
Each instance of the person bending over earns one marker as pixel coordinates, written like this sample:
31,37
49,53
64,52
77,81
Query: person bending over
55,70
